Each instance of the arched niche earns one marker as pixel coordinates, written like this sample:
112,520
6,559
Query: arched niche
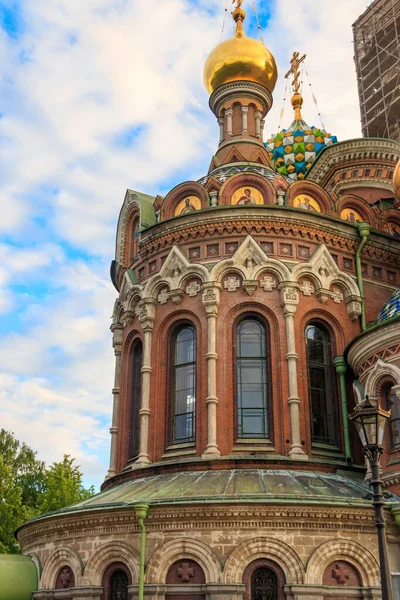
315,192
175,202
247,180
349,205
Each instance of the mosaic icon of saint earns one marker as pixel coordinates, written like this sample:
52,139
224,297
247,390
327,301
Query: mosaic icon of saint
393,230
188,208
247,198
305,204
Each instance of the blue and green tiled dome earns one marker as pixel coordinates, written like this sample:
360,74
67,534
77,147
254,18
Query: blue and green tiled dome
391,308
294,150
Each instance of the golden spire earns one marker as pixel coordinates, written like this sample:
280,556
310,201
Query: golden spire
239,16
297,98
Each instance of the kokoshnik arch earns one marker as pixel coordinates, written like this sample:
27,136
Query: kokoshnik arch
249,305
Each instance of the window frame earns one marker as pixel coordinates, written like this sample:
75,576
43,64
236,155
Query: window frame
330,379
135,401
250,316
171,441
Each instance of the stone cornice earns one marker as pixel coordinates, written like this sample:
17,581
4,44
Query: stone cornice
122,521
240,88
366,149
372,343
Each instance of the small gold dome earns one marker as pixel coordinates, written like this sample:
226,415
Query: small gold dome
396,181
240,59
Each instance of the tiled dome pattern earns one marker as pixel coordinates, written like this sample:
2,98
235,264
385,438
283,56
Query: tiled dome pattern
391,308
294,150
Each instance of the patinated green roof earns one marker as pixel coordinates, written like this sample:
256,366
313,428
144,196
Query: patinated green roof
235,485
147,212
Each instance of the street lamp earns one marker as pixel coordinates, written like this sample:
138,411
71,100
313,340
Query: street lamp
370,422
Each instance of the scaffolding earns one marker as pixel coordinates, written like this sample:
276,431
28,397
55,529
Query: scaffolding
377,57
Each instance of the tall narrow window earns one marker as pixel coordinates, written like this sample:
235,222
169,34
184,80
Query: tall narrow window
392,404
320,385
251,380
136,388
184,386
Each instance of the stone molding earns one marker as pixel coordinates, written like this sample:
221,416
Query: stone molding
263,547
173,550
366,149
271,517
346,550
240,88
370,345
63,555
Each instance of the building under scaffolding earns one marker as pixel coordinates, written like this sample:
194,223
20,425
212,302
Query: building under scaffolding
377,58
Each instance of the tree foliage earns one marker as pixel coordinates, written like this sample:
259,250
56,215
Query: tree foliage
28,488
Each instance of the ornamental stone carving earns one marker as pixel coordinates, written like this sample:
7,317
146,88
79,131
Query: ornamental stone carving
232,283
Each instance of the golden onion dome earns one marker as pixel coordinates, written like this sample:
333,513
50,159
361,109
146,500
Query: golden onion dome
240,59
396,181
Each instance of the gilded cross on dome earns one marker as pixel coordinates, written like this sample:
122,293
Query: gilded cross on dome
295,71
238,3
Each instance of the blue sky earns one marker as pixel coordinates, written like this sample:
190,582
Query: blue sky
96,97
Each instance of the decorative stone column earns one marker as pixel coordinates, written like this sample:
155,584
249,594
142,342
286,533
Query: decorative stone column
245,111
289,302
146,313
210,300
229,122
117,330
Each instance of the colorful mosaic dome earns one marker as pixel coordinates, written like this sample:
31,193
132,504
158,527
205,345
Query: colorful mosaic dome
391,308
294,150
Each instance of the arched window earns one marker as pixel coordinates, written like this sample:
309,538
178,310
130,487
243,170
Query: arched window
392,404
183,400
321,386
264,584
115,582
251,380
135,398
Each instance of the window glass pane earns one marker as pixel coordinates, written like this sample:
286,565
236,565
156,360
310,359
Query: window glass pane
184,429
252,396
251,372
185,377
393,406
319,385
185,346
251,339
184,386
184,402
135,400
253,423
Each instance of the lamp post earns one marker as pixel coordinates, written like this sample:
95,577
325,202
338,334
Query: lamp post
370,422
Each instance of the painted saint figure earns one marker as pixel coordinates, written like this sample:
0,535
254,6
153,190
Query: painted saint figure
247,198
305,204
188,207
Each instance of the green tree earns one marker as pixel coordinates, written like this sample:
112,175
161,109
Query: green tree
28,489
63,486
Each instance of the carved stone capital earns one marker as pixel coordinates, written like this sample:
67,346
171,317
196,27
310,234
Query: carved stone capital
323,295
211,297
289,295
353,304
250,286
176,295
146,313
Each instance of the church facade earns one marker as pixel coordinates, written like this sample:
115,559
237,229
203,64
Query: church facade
256,306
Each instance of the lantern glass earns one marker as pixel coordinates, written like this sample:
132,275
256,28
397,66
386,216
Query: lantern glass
370,423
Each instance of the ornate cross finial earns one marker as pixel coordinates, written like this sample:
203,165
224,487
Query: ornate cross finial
294,70
238,3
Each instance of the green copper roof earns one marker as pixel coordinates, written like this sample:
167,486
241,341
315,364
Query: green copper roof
147,212
232,486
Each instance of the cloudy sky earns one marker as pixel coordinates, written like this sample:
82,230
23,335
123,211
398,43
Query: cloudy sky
95,97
